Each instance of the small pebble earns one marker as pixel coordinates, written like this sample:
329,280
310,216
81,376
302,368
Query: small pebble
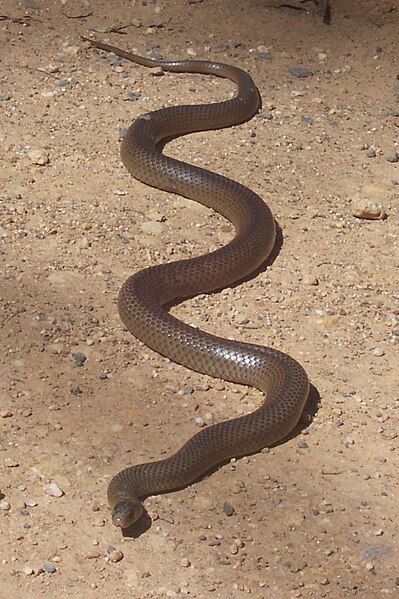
199,421
132,96
31,503
367,209
4,505
228,509
39,157
49,568
185,563
157,72
378,351
116,556
79,358
394,157
28,570
6,414
371,153
300,72
303,445
53,490
264,52
93,554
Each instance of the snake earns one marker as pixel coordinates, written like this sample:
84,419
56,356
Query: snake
146,295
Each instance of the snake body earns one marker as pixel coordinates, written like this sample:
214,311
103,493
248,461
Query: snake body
144,295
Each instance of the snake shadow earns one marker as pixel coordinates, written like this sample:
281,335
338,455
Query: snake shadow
308,414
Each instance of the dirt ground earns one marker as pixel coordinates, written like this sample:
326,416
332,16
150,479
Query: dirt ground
315,516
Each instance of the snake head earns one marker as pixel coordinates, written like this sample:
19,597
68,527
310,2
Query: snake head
126,513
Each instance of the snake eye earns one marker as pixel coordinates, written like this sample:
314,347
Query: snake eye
126,513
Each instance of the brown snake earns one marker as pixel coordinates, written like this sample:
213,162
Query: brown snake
144,295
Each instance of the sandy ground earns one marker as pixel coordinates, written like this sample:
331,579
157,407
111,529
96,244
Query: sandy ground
317,515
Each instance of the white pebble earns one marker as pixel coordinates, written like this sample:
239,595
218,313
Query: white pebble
53,490
378,351
199,421
185,563
4,505
365,208
39,157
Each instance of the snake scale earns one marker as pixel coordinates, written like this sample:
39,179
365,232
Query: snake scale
144,295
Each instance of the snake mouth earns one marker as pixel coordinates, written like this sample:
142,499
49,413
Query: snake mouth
126,513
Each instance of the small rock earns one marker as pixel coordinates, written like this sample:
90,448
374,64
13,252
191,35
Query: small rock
394,157
367,209
80,359
369,566
116,556
53,490
28,570
39,157
199,421
264,52
300,72
371,153
132,96
185,563
30,503
93,554
50,68
303,445
4,505
157,71
49,568
238,487
6,414
228,509
378,351
5,97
